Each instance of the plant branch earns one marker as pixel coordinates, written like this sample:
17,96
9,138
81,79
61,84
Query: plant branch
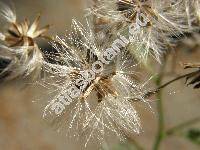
155,91
150,93
160,133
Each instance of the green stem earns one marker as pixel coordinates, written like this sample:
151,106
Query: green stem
160,133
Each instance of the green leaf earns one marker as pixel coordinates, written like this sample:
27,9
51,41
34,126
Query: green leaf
194,136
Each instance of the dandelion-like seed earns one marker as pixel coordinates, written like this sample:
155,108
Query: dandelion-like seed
19,44
151,23
92,98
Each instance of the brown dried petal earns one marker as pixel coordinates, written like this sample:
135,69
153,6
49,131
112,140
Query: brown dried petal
34,26
41,31
24,27
14,28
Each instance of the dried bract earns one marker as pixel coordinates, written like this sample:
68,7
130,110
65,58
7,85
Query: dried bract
18,41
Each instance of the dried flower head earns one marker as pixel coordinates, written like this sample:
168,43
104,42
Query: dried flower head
19,43
151,23
92,97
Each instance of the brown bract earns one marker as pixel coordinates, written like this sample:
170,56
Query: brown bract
130,8
20,45
24,34
195,78
102,85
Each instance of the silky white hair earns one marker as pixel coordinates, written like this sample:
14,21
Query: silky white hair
89,118
167,18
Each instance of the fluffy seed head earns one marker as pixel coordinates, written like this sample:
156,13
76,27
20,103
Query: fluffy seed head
151,23
19,42
104,97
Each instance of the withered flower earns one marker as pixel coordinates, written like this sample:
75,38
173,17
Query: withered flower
92,98
19,44
151,23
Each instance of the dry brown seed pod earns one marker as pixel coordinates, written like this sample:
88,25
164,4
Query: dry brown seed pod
19,41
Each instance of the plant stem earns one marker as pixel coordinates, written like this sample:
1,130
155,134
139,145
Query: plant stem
155,91
160,133
150,93
173,130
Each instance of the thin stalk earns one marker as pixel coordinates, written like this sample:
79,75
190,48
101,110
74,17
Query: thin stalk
155,91
160,132
150,93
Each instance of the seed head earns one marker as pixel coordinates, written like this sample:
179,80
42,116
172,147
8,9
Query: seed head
92,100
19,43
151,23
